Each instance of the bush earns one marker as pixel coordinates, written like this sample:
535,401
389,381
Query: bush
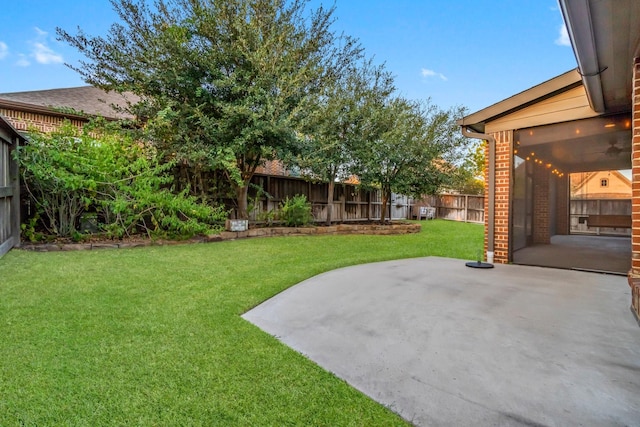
296,211
107,170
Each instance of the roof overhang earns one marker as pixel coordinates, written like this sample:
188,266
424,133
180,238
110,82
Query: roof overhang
605,36
38,109
559,84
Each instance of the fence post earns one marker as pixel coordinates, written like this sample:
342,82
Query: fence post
14,182
599,210
466,208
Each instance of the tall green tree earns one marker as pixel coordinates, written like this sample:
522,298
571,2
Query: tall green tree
469,175
337,121
412,150
220,80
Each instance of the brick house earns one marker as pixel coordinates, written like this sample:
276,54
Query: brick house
47,109
585,120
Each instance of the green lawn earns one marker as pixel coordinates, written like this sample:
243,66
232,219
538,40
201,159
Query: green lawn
153,336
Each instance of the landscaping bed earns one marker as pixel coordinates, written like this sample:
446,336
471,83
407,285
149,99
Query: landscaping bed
338,229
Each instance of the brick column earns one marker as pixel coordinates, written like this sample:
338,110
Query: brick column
504,161
541,205
634,273
562,204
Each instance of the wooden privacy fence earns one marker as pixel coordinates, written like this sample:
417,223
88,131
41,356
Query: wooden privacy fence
351,204
456,207
582,209
9,189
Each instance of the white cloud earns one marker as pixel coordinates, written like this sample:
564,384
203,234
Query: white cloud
4,50
40,51
22,61
44,55
563,37
40,32
426,73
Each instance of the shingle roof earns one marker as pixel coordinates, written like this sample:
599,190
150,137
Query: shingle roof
87,99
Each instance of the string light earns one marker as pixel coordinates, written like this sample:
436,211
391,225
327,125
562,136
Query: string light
538,161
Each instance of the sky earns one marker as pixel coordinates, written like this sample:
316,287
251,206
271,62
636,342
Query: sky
470,53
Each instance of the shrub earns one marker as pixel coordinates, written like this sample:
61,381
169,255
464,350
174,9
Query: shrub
296,211
106,169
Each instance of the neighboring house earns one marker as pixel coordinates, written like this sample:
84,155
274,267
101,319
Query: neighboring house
600,185
586,120
46,110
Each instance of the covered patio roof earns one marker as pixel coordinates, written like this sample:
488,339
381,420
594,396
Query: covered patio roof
478,120
579,120
605,36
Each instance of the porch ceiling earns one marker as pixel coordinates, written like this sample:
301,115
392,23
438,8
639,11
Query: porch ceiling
601,143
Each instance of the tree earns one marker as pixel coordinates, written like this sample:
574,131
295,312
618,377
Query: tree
469,175
220,80
336,122
412,149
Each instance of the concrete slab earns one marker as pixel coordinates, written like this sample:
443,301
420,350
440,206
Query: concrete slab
594,253
443,344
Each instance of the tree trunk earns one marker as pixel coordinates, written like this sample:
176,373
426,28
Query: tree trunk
241,199
330,189
383,211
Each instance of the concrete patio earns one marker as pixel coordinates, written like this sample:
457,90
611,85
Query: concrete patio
443,344
580,252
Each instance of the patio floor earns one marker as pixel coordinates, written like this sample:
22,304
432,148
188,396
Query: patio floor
443,344
580,252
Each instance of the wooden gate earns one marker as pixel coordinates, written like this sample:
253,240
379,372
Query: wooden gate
9,188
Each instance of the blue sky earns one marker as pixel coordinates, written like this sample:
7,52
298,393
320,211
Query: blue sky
471,53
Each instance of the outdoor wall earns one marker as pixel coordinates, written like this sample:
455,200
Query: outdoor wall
504,165
634,274
541,205
23,121
562,205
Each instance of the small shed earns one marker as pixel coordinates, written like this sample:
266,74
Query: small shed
9,187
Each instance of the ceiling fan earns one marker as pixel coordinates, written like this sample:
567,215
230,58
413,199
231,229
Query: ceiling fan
614,151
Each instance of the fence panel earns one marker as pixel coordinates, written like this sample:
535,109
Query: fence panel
455,207
580,209
9,195
351,203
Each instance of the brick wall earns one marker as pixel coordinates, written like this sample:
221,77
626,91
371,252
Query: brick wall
504,160
562,205
23,121
273,167
634,273
541,205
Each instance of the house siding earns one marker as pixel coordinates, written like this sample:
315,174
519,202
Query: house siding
570,105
